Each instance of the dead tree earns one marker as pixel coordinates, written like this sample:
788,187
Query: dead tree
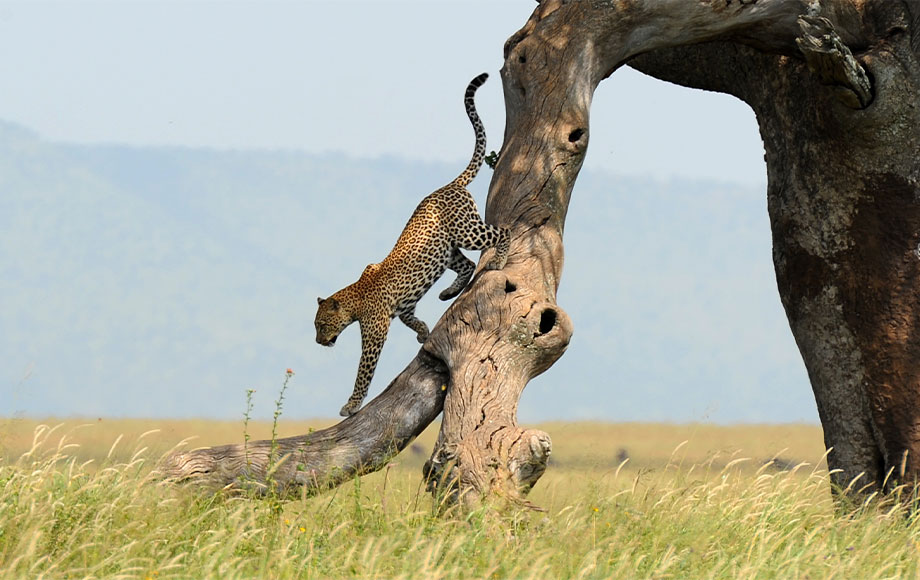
835,86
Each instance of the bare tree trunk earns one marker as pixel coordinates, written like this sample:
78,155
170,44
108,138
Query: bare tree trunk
844,201
843,151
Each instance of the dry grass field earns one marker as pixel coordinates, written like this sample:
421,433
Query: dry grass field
77,500
576,445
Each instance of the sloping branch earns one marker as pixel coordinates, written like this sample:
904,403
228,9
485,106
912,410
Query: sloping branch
360,444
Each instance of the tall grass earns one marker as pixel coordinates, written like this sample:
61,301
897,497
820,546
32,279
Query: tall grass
725,517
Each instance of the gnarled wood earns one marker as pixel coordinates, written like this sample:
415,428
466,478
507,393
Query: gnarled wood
844,203
835,86
360,444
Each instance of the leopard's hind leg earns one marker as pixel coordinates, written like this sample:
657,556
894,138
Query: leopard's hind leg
464,268
415,324
480,236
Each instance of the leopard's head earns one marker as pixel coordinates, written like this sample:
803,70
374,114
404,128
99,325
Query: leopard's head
331,319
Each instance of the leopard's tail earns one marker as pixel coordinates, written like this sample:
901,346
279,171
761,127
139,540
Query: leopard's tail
479,153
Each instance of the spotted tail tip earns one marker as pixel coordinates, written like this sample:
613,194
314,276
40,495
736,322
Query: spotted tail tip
476,83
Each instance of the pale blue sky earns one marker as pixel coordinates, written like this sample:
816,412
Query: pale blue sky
367,78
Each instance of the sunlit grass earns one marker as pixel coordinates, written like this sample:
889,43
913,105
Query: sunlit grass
687,511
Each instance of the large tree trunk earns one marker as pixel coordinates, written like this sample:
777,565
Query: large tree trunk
844,202
842,137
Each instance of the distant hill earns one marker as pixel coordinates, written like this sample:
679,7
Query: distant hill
167,281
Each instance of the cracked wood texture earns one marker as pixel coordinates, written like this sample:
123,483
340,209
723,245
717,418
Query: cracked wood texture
834,86
316,461
844,202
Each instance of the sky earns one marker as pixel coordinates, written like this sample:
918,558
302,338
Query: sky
366,78
372,80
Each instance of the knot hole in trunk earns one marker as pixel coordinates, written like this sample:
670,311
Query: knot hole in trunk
576,140
547,321
550,330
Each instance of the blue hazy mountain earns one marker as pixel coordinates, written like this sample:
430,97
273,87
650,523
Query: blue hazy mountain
165,282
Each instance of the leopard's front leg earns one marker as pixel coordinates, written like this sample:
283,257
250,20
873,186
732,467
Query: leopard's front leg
373,335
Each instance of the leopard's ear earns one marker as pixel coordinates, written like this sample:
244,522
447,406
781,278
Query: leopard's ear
319,300
335,303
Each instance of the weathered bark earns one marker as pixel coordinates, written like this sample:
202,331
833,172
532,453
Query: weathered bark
844,203
360,444
842,137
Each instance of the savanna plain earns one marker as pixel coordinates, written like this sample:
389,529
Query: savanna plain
81,499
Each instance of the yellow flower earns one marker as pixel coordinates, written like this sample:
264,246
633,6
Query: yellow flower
302,529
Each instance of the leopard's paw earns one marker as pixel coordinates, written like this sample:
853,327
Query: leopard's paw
448,293
496,263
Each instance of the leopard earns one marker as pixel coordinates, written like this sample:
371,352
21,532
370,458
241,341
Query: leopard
444,223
